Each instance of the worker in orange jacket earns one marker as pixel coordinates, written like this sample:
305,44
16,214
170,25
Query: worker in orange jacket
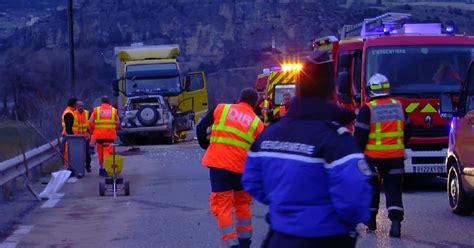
285,105
82,117
234,129
69,126
103,124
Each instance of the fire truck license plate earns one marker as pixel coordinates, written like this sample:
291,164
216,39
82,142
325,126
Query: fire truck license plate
429,169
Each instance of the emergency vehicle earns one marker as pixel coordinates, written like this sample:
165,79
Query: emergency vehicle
272,84
460,160
421,61
155,97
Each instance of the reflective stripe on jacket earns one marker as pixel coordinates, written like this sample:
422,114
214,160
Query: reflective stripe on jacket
83,122
75,127
234,130
279,111
387,124
265,109
104,122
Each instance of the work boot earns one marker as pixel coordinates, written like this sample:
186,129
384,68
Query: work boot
244,243
102,172
395,229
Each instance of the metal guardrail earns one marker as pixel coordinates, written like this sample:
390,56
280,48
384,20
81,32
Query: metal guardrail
14,168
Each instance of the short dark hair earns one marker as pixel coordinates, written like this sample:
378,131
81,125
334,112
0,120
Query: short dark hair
317,77
250,96
71,102
104,99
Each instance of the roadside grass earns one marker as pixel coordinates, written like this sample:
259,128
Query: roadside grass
10,139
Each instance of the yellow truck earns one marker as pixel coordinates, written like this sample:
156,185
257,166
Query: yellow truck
154,97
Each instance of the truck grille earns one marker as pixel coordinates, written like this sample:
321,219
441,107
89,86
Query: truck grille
427,160
427,147
437,131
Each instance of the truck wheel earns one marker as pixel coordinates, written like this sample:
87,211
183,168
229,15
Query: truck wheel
102,189
459,201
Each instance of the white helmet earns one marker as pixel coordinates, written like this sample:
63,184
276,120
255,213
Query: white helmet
378,85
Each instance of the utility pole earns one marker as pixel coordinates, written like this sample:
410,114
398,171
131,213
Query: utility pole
72,69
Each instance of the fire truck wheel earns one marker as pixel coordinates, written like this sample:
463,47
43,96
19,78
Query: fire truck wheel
459,201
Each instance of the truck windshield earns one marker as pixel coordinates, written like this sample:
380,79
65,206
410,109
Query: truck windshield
165,85
420,69
281,90
152,78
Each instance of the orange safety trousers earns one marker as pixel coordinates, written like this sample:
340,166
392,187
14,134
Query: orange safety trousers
222,205
66,155
103,150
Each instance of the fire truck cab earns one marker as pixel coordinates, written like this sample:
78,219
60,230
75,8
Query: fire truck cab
420,61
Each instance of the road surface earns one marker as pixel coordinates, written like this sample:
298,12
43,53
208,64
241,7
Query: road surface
168,207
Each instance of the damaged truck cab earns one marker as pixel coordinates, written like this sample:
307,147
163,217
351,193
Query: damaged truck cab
154,96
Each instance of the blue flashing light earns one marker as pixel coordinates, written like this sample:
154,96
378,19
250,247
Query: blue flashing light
449,29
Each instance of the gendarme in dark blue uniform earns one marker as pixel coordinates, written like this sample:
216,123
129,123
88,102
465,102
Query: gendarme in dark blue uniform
312,174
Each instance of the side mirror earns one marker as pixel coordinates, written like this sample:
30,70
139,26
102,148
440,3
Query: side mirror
344,83
344,87
115,85
446,108
345,60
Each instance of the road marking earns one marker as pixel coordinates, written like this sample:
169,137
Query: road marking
72,180
13,240
23,230
8,244
52,201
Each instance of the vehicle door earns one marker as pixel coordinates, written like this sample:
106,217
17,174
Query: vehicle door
194,98
463,128
349,71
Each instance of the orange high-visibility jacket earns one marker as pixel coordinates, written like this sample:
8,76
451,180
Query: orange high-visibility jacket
104,122
281,111
83,123
234,130
69,110
387,124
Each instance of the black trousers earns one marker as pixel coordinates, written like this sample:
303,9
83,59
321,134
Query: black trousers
281,240
390,171
224,180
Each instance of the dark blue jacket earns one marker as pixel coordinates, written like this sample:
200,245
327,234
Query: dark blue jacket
310,171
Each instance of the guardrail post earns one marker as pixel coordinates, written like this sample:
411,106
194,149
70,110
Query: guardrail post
25,181
33,174
3,198
13,188
40,167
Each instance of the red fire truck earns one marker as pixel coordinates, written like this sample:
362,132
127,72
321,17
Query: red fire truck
272,84
421,62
